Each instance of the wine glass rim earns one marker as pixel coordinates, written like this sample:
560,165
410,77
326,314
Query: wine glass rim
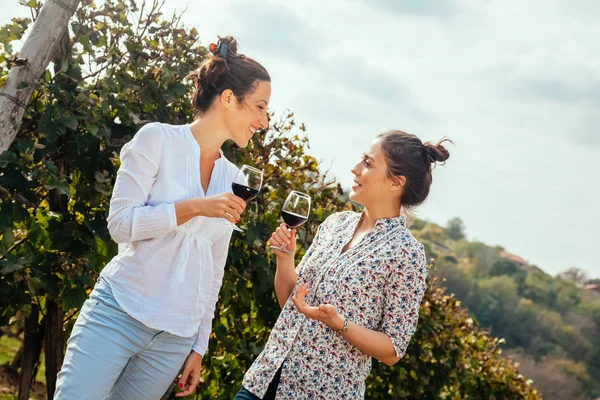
302,194
251,168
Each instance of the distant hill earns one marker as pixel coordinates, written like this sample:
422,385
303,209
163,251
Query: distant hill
550,324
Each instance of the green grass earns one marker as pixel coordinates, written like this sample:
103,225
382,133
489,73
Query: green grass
8,348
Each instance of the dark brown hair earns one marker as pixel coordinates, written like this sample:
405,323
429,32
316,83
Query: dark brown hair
225,69
406,155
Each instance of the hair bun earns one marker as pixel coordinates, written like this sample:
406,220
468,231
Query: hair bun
225,47
437,152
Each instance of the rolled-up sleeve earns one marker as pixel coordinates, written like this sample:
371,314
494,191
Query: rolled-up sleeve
403,294
130,218
219,255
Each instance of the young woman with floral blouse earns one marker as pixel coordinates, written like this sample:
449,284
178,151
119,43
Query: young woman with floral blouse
356,293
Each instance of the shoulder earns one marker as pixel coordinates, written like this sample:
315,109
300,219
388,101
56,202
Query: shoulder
340,218
147,137
158,131
413,252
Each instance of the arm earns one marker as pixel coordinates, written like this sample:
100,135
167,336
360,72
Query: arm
403,292
286,274
192,367
285,277
130,219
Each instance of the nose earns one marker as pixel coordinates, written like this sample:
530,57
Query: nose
355,170
263,122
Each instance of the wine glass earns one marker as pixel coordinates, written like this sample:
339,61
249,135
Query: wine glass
295,212
246,184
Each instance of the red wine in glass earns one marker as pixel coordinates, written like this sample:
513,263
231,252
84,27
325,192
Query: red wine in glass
295,212
246,184
293,220
243,191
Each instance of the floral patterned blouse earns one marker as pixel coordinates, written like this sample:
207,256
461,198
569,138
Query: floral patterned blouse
378,284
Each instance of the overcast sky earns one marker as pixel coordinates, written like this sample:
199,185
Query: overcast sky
516,86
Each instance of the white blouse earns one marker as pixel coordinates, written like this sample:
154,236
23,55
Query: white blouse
167,276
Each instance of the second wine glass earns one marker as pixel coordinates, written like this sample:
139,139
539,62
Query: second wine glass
246,184
295,212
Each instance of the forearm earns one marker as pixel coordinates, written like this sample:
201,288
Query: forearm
187,209
128,223
376,344
285,278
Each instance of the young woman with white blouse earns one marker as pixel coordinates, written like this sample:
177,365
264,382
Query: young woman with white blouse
151,310
356,293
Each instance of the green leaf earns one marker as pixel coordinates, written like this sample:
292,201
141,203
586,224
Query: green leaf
8,237
73,297
102,177
6,158
62,186
8,266
104,106
86,280
85,41
70,122
64,65
93,129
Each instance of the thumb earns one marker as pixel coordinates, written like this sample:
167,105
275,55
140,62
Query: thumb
327,308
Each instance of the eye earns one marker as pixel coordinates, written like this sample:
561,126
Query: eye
366,162
261,107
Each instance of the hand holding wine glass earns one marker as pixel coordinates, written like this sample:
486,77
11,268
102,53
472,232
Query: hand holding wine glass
295,212
246,185
283,239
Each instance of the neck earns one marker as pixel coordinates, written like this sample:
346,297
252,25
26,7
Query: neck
210,133
372,214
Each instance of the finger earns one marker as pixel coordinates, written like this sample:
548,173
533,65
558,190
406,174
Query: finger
238,208
195,380
184,377
274,241
284,228
298,305
300,294
310,312
238,200
190,387
229,217
282,237
305,289
327,309
235,213
186,392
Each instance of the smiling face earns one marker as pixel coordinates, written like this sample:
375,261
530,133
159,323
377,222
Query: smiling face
372,185
245,117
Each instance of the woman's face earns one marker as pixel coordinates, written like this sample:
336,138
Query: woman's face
371,182
246,117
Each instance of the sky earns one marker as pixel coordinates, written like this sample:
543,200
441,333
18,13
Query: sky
515,85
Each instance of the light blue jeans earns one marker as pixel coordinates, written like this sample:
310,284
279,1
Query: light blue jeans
111,355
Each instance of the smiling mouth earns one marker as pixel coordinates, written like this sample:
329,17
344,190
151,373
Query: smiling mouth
356,185
252,129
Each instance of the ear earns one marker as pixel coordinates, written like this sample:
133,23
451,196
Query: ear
228,99
397,183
